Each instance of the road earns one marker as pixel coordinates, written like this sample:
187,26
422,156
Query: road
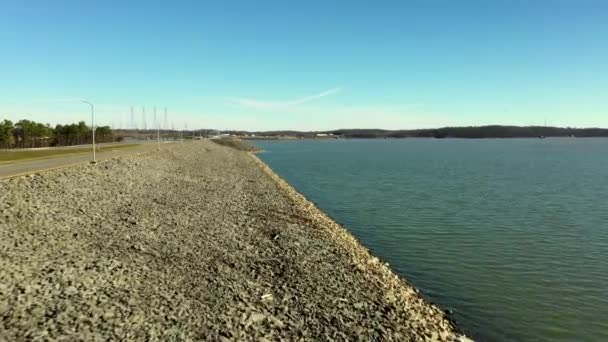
18,168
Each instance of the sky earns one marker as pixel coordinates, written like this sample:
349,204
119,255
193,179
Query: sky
306,65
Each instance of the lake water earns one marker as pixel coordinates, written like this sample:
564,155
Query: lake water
512,235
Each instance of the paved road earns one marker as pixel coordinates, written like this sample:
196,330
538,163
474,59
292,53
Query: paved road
12,169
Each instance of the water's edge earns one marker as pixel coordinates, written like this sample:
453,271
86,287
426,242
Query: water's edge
360,253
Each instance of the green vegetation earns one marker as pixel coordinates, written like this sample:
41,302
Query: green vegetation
16,155
30,134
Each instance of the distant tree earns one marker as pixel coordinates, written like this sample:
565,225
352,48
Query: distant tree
83,133
7,140
475,132
103,134
28,133
440,133
71,134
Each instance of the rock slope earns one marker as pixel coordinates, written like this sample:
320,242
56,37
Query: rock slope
195,242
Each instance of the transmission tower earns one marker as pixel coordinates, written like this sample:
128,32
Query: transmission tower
143,118
154,116
157,124
133,124
165,121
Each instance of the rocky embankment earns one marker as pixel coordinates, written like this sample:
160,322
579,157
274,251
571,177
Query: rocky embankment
195,242
236,144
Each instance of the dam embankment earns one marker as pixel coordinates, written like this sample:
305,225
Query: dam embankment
195,242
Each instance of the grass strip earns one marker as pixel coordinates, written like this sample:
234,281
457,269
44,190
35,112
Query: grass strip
19,155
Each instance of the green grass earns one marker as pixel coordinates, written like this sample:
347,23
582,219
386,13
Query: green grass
17,155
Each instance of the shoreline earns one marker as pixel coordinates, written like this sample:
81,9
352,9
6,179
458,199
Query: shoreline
362,256
365,260
199,241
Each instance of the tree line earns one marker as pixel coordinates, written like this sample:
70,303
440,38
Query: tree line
475,132
471,132
31,134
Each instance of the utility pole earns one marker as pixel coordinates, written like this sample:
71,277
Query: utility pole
157,129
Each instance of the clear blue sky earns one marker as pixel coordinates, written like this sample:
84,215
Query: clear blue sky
308,64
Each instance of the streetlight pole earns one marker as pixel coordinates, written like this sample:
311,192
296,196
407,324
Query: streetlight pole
93,128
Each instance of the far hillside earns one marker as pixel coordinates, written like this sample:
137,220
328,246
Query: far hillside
472,132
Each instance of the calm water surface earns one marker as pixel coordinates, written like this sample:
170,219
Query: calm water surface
510,234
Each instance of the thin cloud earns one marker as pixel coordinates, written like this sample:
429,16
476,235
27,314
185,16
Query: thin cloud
258,104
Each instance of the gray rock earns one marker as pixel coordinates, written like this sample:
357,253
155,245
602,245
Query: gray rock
195,242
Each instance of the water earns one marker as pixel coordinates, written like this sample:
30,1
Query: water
510,234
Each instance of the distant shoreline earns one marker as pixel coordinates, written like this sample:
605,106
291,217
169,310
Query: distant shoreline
407,138
470,132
